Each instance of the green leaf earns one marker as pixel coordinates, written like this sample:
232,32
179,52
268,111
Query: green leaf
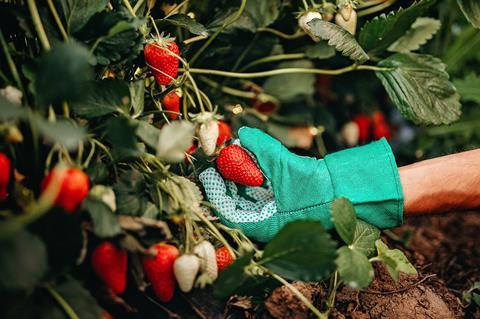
469,295
233,277
320,50
263,12
339,38
420,88
62,132
184,21
77,12
106,97
137,95
63,74
105,223
395,260
471,10
476,298
422,30
379,33
354,268
23,261
464,49
120,133
10,111
174,140
302,250
344,219
130,193
364,238
113,36
148,133
469,87
289,87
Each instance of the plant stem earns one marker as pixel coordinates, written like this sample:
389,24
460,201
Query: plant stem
56,17
62,302
137,6
197,92
37,23
332,292
305,4
176,9
215,231
241,75
239,93
298,34
234,18
296,292
273,58
129,7
11,64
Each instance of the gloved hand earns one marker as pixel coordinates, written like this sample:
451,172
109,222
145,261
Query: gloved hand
304,187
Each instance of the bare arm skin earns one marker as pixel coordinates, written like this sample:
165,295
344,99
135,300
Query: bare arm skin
442,184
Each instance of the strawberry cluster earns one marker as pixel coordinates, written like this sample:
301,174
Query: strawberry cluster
166,268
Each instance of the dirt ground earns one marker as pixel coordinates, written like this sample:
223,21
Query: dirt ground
445,251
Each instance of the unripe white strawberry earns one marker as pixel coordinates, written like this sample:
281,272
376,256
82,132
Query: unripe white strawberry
208,259
12,94
208,135
350,133
305,19
347,18
186,268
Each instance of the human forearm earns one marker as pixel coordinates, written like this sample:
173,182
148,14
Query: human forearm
442,184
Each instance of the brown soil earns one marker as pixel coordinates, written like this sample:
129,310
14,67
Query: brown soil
444,249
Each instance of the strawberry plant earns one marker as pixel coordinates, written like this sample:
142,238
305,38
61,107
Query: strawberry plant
103,104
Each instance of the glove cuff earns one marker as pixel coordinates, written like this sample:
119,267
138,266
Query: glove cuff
368,177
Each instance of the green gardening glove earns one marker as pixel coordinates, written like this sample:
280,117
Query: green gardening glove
300,187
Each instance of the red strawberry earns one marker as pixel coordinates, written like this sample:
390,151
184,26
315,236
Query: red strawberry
224,133
163,64
4,175
224,258
73,190
159,271
364,126
171,102
378,117
235,164
110,264
382,130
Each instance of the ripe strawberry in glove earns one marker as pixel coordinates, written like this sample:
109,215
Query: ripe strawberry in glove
224,133
186,268
74,187
171,102
364,124
224,258
158,55
4,175
235,164
159,270
110,264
